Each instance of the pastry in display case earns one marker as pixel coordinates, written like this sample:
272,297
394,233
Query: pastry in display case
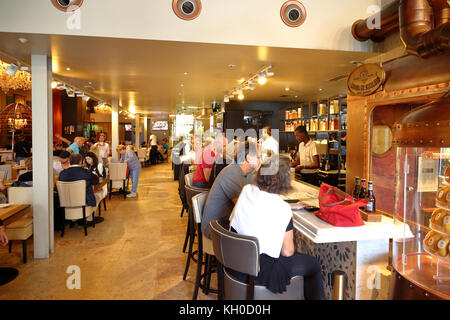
422,203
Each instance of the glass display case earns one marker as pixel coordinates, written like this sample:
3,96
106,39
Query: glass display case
422,203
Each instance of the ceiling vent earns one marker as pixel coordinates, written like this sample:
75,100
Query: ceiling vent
293,13
67,5
187,9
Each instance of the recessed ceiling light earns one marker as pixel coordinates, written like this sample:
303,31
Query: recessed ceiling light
296,96
68,69
287,89
320,89
181,85
186,73
231,65
23,40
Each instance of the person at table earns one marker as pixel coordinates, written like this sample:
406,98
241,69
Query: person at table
220,145
307,161
74,148
75,172
22,149
260,212
27,176
129,157
269,146
228,185
3,193
204,160
93,165
61,163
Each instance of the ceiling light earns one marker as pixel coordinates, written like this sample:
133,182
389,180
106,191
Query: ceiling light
68,69
320,89
86,98
54,84
226,99
186,73
12,69
23,40
241,95
231,65
181,85
61,86
262,78
287,89
132,109
270,74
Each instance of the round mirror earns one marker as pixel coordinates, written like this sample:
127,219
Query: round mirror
381,139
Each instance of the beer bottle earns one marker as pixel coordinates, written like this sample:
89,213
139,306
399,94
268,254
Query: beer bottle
371,198
357,188
363,191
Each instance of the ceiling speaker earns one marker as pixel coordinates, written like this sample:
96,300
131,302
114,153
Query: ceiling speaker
67,5
187,9
293,13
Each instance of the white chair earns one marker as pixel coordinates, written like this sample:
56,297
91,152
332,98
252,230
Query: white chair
117,172
21,229
8,169
189,179
72,197
142,153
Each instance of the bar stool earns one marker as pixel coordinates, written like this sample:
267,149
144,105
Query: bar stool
241,253
204,246
190,193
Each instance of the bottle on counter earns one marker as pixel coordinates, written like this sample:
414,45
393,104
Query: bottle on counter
357,188
363,191
370,207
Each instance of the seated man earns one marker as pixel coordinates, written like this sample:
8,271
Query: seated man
75,173
228,185
61,163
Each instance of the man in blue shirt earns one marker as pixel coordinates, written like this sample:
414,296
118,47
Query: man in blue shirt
74,148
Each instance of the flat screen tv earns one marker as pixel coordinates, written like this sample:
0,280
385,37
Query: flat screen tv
160,125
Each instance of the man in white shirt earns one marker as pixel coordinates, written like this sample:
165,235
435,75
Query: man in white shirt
269,146
153,143
307,161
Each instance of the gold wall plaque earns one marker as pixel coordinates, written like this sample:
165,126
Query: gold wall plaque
366,79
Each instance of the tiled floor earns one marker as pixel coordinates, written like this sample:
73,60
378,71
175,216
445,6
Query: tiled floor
134,254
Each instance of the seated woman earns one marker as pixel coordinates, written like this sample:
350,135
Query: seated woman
260,212
93,165
27,176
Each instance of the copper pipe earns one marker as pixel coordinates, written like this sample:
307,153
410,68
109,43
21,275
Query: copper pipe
417,30
441,9
389,24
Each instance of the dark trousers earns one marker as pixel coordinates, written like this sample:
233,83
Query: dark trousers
153,154
311,178
309,268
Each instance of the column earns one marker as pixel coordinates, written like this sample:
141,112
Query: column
137,120
114,128
145,129
42,134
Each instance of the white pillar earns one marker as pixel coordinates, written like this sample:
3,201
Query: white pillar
42,133
138,131
114,128
145,129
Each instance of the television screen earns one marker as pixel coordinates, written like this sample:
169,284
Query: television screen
128,127
160,125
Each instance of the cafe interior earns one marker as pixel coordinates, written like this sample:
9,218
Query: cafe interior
367,80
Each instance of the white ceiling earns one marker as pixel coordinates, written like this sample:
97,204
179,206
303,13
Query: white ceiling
150,73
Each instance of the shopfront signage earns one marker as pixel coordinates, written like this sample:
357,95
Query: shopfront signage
366,80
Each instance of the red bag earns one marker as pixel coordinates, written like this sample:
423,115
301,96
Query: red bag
338,208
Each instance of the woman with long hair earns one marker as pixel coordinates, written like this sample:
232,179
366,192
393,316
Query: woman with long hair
261,212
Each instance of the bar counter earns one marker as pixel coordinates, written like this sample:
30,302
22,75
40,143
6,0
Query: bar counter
361,252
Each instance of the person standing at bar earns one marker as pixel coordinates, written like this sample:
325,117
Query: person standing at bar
269,146
153,143
307,161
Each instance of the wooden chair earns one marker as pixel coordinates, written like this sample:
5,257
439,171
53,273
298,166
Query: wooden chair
117,173
22,229
72,197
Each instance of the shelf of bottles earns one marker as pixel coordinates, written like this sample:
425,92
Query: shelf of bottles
328,115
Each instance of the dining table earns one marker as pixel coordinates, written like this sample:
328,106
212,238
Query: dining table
12,212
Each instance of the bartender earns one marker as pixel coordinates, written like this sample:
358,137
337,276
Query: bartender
307,161
269,146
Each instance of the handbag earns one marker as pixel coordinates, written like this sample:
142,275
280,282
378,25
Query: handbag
338,208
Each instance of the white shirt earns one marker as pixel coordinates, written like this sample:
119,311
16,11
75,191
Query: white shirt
262,215
154,140
270,144
103,150
306,155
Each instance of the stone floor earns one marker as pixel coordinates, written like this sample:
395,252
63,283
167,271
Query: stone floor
134,254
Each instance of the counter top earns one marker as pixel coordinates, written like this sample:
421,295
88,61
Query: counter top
320,231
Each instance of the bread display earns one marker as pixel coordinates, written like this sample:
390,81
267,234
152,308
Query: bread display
443,197
446,223
432,239
438,216
442,246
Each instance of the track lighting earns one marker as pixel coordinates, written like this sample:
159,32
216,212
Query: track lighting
251,83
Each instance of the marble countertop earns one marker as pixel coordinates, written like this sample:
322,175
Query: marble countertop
320,231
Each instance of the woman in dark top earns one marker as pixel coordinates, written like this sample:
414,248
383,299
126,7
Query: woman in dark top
261,212
27,176
94,166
